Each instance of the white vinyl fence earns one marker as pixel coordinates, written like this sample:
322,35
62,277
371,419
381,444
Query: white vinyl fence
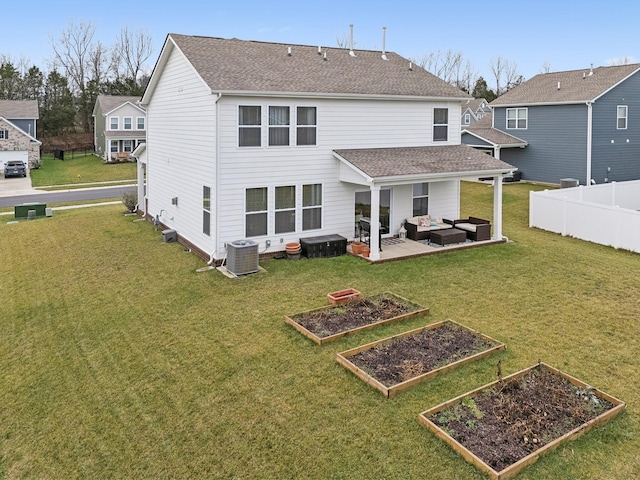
607,214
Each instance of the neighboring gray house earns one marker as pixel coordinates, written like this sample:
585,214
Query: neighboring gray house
580,124
120,125
18,132
473,111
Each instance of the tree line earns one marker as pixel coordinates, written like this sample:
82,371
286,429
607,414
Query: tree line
81,69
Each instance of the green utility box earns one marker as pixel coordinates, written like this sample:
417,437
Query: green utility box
22,211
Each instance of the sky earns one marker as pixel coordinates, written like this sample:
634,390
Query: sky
560,34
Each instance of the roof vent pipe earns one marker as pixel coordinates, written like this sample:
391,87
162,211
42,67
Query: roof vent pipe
351,52
591,71
558,85
584,75
319,50
289,51
384,41
325,56
410,65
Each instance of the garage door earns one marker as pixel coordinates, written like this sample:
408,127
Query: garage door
14,155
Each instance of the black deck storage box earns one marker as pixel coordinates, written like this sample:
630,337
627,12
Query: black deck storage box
324,246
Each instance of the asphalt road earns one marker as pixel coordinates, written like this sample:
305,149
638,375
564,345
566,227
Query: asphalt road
66,195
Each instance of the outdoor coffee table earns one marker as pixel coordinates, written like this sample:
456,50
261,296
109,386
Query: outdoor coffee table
448,236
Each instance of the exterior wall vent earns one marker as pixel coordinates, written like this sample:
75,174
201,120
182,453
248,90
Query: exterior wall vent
242,257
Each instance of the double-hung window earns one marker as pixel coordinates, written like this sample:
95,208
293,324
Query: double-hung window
113,123
128,123
4,134
306,124
467,118
206,210
114,146
440,124
312,206
256,211
140,123
278,126
517,118
420,199
285,209
249,125
621,121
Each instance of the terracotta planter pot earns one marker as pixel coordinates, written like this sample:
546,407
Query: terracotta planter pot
293,248
343,296
365,251
356,247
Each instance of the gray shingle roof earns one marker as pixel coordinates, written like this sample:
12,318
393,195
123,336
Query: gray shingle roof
392,162
483,129
576,86
109,102
19,109
232,65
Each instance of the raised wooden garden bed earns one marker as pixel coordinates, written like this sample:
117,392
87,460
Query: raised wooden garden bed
508,424
399,362
343,296
326,324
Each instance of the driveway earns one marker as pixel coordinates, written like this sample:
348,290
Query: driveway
15,186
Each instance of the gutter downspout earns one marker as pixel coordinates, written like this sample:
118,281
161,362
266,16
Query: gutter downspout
589,140
217,179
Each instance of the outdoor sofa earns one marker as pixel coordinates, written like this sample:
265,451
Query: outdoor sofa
420,227
477,229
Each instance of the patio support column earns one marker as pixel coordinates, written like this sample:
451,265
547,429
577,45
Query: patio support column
497,208
374,234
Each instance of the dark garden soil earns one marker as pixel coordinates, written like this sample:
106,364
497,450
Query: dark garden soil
510,421
353,314
403,358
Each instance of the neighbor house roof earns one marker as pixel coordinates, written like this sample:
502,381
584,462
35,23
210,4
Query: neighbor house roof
575,86
483,130
239,66
109,103
473,104
19,109
381,163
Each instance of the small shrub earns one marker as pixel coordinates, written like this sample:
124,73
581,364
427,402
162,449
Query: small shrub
130,200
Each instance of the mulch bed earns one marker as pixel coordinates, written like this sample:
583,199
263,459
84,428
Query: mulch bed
513,419
356,313
403,358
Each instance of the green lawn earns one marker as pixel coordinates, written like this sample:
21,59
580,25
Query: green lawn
119,360
80,169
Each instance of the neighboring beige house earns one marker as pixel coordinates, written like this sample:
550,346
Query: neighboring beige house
120,125
473,111
18,132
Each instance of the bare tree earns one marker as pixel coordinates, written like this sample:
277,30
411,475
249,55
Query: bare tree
546,67
72,52
131,51
98,62
624,60
505,74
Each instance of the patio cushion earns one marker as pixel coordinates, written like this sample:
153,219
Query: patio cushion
468,227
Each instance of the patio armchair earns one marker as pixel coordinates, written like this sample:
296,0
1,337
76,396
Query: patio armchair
478,229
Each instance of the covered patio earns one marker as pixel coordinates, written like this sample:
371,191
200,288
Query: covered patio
402,249
378,168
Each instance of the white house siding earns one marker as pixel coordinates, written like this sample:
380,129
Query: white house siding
181,151
340,124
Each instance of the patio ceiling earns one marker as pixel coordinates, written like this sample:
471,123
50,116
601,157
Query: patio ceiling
402,165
